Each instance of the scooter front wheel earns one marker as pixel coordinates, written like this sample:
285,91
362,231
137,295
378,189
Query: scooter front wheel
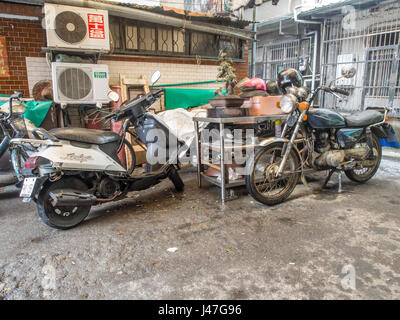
61,217
176,180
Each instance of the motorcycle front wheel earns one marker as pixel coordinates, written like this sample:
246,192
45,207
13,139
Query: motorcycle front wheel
261,180
62,217
362,175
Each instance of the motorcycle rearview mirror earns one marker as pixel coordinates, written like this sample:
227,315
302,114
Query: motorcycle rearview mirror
155,77
349,72
113,96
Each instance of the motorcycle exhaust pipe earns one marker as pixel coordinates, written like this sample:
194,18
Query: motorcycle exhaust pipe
334,158
62,198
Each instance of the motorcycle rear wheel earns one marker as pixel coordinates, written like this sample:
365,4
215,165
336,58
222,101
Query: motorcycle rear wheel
364,174
61,217
261,182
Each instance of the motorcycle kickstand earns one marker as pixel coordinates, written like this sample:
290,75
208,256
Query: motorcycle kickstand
340,172
331,172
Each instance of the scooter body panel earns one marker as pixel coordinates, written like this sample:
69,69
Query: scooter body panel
69,157
158,139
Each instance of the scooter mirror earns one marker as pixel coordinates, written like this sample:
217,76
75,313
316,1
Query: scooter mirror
155,77
113,96
349,72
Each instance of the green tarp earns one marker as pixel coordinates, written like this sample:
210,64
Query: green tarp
186,98
36,111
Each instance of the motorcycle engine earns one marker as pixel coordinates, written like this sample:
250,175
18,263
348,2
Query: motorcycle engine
107,187
325,147
329,153
322,143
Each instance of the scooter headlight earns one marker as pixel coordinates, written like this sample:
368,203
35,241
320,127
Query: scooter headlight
288,103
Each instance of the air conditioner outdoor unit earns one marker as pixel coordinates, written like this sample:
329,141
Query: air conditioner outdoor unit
77,83
76,28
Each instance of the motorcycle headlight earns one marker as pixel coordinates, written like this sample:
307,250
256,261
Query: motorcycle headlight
288,103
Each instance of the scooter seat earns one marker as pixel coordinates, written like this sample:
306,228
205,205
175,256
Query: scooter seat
363,118
85,135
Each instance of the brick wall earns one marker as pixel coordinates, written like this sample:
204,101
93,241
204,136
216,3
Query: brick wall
24,38
28,65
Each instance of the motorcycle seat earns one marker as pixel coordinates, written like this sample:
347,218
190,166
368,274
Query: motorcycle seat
363,118
85,135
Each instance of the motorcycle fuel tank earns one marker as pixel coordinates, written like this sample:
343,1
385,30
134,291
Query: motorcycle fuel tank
325,119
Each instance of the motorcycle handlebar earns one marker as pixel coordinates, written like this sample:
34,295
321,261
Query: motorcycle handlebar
109,116
147,99
159,91
17,95
340,91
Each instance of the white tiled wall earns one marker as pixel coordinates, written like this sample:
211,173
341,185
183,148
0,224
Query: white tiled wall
38,69
171,72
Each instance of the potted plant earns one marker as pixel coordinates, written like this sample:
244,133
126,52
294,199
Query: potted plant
226,73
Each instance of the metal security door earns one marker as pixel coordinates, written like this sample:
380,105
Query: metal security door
381,86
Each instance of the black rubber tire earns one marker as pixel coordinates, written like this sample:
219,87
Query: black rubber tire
47,212
176,180
353,176
250,183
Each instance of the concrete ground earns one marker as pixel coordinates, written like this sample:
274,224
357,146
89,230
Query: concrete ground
317,245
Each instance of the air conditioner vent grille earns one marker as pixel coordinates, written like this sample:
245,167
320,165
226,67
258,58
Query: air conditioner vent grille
74,83
70,27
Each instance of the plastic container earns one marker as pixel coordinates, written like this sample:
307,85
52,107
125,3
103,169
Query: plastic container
263,106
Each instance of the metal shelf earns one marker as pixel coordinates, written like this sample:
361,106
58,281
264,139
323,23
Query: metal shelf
232,148
241,119
231,184
224,182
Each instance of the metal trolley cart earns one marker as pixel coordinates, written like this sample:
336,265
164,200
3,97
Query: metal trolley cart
224,183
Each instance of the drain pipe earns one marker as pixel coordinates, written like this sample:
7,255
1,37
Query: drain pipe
316,42
254,44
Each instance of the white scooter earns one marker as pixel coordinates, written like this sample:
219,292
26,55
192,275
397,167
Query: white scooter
75,168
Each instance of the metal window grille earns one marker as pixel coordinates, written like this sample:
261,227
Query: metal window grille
371,43
130,35
280,56
294,53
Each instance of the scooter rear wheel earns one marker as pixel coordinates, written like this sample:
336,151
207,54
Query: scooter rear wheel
62,217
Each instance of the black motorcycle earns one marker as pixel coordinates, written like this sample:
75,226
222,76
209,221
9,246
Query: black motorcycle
12,125
315,139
